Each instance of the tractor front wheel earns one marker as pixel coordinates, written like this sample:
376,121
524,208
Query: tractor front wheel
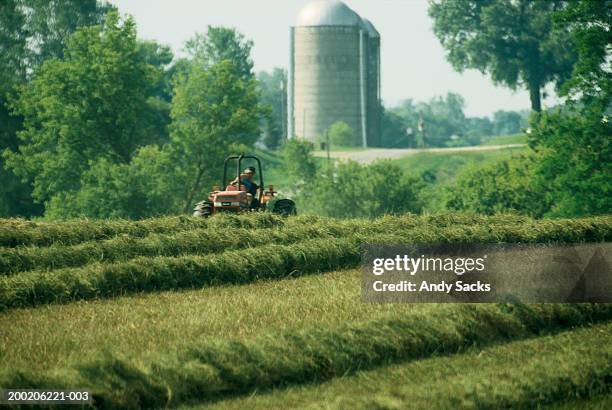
203,209
284,207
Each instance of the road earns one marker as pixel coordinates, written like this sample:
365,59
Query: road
368,155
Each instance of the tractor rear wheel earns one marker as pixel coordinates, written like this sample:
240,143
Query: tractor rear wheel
203,209
284,207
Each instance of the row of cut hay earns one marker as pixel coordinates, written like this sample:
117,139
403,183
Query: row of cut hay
148,274
209,371
552,368
194,242
15,232
219,237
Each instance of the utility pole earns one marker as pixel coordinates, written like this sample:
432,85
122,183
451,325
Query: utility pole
421,127
283,128
327,146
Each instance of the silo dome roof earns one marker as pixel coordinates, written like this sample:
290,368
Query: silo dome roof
369,27
327,13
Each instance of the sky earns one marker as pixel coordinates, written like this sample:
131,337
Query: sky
413,61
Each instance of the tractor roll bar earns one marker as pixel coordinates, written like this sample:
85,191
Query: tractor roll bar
239,159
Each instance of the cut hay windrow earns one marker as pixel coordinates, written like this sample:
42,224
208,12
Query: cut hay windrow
570,366
15,232
149,274
220,237
212,370
123,247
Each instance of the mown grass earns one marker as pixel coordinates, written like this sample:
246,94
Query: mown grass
275,261
15,232
124,247
521,374
212,369
219,237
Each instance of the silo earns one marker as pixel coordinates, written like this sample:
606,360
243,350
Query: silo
373,83
329,72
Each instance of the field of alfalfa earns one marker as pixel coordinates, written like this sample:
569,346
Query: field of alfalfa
264,312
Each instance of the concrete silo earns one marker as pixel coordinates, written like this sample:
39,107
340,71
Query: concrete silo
334,73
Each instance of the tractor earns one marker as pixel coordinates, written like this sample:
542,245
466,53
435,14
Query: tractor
235,198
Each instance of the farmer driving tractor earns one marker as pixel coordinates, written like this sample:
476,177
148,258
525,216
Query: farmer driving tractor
246,179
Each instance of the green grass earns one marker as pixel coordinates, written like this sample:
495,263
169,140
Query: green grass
506,139
445,166
184,311
235,340
544,370
192,270
16,232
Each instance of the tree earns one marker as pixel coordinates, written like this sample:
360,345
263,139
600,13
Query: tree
574,157
146,187
31,31
273,86
219,44
573,142
395,132
590,26
514,41
89,105
355,190
507,122
213,110
500,187
298,162
341,134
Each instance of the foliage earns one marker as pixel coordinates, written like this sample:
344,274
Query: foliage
445,124
574,153
508,122
98,90
354,190
220,44
213,111
298,162
504,186
341,134
515,42
33,31
590,25
394,131
273,86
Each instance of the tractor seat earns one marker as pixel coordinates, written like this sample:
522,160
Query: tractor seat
232,187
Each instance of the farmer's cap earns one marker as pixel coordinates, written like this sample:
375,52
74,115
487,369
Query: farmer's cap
249,170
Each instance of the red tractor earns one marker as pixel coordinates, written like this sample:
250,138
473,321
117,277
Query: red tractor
236,198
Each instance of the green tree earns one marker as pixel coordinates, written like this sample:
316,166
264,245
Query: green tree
395,132
573,142
355,190
298,161
342,135
31,31
575,157
214,109
508,122
219,44
514,41
590,26
89,105
509,185
273,86
146,187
